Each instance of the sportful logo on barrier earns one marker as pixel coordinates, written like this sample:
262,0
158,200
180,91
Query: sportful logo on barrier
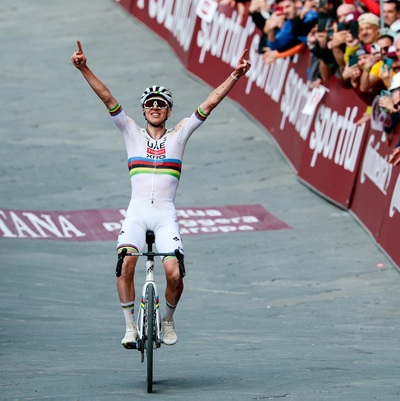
337,137
104,225
225,38
333,136
376,167
178,17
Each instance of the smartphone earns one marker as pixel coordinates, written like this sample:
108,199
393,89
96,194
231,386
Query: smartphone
353,59
322,22
279,9
385,93
353,25
341,26
388,62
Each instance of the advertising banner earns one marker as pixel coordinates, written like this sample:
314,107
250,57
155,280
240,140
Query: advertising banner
373,184
174,21
104,225
388,236
335,144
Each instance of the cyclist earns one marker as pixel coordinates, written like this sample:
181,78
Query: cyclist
154,161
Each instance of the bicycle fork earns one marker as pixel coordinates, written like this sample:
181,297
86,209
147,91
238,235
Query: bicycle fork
146,306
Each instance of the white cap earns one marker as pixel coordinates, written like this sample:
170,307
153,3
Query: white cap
395,82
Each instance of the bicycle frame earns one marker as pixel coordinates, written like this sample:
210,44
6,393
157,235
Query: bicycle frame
148,322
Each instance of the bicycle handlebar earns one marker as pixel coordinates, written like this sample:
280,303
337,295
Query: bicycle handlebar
150,255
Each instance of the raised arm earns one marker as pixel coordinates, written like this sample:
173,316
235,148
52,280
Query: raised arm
79,60
218,94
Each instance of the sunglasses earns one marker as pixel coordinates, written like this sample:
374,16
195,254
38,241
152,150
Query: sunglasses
153,103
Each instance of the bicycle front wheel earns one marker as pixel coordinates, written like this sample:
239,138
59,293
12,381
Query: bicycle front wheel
150,309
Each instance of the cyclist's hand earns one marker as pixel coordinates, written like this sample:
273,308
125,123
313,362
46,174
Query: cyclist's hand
243,65
78,58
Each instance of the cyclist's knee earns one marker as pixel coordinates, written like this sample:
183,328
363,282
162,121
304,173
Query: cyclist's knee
175,283
129,264
171,267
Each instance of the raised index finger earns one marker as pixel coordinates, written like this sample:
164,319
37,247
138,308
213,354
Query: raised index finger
243,54
79,46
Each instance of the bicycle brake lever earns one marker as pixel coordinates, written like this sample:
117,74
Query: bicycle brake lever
181,263
121,257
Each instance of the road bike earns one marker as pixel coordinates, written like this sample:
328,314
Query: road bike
148,321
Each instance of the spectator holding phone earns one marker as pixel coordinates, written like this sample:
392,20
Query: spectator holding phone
279,28
306,19
362,34
260,12
391,104
378,67
322,63
352,70
359,39
346,13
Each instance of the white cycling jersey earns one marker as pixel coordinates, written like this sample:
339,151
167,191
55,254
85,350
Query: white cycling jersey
155,168
155,165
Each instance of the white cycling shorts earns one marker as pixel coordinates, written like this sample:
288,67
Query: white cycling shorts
159,217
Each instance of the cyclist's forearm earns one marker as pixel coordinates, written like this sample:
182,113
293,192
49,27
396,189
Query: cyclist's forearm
218,94
98,87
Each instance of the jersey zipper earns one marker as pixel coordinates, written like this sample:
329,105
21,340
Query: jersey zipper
154,180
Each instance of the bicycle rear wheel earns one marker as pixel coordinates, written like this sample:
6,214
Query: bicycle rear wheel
150,309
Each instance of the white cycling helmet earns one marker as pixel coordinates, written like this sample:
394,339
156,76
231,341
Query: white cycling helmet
156,90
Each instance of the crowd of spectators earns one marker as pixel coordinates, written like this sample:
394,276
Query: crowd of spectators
345,38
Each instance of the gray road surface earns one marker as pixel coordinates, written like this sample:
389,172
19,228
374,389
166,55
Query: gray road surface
301,314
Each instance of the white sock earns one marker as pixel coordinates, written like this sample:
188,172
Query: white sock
169,311
128,309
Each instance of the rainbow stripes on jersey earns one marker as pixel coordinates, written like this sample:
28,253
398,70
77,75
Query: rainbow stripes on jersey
142,165
115,110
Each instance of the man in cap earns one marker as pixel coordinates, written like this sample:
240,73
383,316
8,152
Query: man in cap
368,25
154,160
366,31
359,43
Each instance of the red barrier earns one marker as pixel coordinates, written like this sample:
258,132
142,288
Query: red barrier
336,143
343,162
388,232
